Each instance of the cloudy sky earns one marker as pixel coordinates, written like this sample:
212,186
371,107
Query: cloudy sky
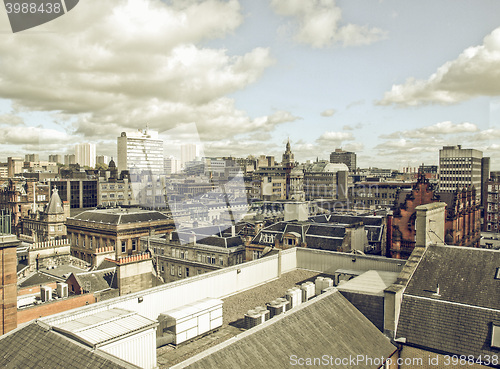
392,80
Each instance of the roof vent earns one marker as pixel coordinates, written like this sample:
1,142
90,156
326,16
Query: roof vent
497,274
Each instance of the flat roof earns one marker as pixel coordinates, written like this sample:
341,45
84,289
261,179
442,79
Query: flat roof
234,309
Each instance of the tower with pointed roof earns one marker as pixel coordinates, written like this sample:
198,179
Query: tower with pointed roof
288,164
48,223
288,157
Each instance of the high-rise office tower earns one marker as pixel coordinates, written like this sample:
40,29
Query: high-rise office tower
140,151
85,154
340,156
459,168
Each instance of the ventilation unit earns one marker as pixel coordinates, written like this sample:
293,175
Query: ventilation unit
276,307
308,291
263,311
284,302
318,285
252,319
294,296
62,289
46,293
327,282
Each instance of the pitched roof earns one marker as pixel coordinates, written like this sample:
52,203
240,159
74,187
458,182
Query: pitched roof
55,204
455,318
94,281
328,324
35,346
120,216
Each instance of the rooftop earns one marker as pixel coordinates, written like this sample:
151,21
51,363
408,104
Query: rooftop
120,216
23,348
451,301
321,326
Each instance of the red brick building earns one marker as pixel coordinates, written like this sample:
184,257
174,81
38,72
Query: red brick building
462,226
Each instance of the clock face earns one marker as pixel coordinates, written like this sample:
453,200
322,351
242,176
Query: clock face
26,14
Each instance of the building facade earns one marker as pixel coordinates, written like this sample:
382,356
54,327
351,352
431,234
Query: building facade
340,156
462,217
85,154
114,232
140,151
459,168
181,255
46,224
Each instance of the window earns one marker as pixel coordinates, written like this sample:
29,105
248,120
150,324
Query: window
495,336
221,260
124,246
83,241
187,272
134,245
179,271
172,269
162,268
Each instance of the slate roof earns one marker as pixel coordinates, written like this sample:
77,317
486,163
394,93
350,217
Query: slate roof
55,204
459,319
326,325
120,216
35,346
37,279
95,280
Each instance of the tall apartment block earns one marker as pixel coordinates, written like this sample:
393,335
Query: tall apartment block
85,154
56,158
188,153
140,151
459,168
340,156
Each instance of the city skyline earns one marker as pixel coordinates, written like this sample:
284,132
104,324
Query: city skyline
392,81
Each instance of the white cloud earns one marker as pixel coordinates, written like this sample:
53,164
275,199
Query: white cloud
476,72
23,135
109,66
319,24
440,128
328,113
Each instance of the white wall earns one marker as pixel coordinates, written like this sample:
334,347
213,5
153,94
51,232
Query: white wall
138,349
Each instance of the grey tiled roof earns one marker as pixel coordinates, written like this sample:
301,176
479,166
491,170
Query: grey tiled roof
457,320
94,281
120,216
327,325
465,275
37,279
34,346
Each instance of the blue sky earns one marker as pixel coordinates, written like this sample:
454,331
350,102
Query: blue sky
391,80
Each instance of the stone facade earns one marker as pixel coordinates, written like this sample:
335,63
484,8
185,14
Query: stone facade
462,225
8,283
